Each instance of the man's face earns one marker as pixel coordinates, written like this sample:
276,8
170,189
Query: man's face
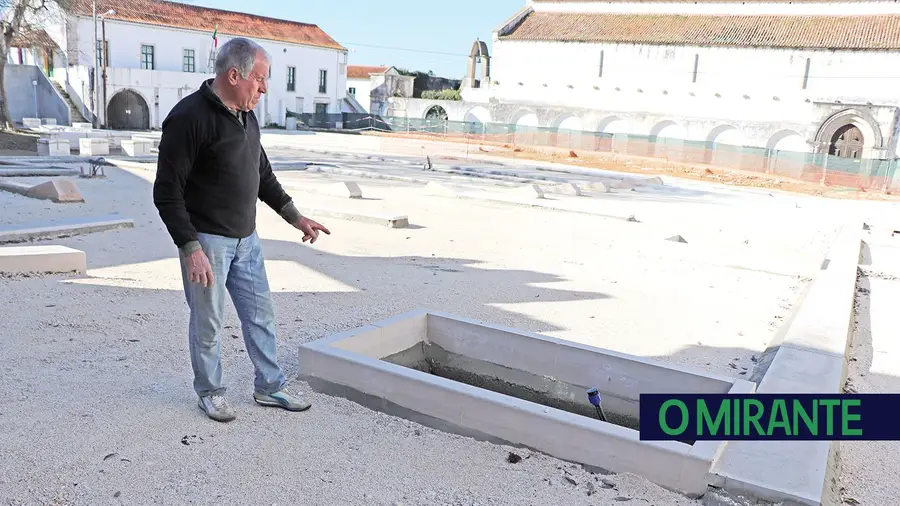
248,91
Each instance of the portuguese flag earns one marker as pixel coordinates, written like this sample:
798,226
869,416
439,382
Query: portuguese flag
216,37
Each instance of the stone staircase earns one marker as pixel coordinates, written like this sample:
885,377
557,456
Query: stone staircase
76,113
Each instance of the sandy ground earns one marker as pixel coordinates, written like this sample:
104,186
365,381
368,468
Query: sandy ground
98,407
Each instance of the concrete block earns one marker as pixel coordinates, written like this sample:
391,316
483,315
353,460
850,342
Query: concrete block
31,122
82,127
154,141
42,259
344,189
390,221
563,189
653,181
49,121
439,190
91,146
528,191
57,190
136,147
623,184
676,238
598,187
61,228
53,147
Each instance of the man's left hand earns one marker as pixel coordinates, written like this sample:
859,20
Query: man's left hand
310,229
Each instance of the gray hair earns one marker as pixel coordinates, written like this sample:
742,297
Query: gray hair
239,53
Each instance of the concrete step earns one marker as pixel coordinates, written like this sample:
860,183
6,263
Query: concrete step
50,259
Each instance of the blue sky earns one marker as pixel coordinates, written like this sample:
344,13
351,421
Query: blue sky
434,36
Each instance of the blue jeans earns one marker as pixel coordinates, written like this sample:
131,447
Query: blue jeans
238,269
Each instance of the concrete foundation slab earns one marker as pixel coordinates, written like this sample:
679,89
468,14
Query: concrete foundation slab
31,122
390,221
42,259
83,127
91,146
450,373
61,228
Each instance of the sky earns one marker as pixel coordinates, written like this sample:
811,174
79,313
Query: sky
414,35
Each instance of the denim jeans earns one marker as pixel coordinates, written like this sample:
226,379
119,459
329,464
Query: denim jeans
238,269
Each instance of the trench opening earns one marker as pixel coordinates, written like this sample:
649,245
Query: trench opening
551,392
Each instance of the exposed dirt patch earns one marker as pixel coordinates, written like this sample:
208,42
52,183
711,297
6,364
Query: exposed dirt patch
18,143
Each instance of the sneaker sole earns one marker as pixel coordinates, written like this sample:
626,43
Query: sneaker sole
276,404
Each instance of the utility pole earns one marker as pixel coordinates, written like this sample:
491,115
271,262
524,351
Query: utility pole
96,94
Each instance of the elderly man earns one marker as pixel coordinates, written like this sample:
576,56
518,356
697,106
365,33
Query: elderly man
211,170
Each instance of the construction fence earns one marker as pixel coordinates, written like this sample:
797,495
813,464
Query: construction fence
822,168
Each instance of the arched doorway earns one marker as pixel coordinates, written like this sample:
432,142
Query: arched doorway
436,113
847,142
128,110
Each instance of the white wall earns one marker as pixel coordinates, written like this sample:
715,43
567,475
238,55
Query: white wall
363,89
751,84
125,40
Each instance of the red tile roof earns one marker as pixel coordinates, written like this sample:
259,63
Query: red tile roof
192,17
33,38
701,1
782,31
363,71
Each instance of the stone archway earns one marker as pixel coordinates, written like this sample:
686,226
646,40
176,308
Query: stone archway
127,110
866,130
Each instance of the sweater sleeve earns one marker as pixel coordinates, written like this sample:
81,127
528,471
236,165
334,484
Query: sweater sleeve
178,149
270,190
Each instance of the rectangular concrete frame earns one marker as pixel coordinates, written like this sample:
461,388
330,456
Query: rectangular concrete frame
42,259
810,359
399,221
349,364
61,228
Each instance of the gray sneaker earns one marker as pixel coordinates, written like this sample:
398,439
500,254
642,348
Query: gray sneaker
217,408
283,400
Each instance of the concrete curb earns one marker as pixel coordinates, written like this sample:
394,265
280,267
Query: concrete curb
35,171
61,228
810,359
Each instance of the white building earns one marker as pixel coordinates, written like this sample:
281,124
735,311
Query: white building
814,76
157,52
371,86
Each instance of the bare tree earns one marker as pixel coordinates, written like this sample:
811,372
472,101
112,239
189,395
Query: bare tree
20,16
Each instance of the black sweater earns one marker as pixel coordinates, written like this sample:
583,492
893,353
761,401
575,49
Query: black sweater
211,170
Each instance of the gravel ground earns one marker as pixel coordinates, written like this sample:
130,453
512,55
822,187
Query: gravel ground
98,406
870,468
